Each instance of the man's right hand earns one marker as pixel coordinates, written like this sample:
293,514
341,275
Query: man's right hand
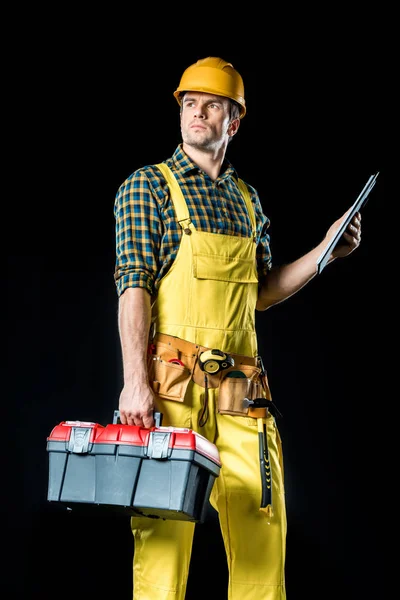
136,405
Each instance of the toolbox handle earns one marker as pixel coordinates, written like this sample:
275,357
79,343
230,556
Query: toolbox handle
157,418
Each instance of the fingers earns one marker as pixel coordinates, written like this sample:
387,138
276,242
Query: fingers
354,228
352,234
351,241
130,418
136,405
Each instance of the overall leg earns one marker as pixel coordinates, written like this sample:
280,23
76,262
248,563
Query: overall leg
162,551
255,544
162,548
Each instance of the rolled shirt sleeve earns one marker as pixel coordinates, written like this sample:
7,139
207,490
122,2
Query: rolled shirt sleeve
138,234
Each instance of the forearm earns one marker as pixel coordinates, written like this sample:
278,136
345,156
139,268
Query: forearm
285,280
134,319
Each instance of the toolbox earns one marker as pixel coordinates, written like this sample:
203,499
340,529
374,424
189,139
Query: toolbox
160,472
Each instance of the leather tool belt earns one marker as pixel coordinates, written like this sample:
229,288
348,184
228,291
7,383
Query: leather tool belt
173,363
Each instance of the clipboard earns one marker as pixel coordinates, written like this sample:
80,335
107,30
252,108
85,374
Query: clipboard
357,206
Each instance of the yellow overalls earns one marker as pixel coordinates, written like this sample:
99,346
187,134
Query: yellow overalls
208,297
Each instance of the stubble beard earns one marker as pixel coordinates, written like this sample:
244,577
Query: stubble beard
203,142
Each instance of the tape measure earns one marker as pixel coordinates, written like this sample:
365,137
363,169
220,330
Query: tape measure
214,361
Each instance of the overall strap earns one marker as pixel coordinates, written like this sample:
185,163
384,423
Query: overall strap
177,197
179,201
246,195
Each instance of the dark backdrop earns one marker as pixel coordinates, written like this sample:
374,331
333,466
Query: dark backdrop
90,113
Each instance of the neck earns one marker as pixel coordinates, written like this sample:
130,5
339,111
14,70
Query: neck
209,161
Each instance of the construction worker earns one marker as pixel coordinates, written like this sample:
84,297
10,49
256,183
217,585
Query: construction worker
193,264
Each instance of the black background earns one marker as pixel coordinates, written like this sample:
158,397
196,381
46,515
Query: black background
90,107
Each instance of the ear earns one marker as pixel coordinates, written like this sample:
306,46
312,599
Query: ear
233,127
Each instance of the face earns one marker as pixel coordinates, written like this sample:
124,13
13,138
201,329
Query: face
205,121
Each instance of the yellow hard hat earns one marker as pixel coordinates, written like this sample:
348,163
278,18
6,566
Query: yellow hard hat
213,76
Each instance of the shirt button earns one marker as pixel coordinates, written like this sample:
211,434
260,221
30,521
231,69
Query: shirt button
187,231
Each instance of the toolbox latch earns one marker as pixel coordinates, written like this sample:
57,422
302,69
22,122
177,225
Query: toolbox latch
79,440
158,446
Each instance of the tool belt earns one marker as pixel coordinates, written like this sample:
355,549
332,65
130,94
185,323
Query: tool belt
173,363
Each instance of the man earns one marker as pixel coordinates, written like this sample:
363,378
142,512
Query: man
193,263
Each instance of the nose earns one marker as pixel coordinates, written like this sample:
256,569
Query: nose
199,112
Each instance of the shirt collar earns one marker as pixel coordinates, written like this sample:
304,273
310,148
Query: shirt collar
186,166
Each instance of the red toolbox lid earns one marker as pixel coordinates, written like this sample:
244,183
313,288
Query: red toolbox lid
181,438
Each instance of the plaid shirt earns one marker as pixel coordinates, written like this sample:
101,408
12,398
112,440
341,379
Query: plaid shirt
148,234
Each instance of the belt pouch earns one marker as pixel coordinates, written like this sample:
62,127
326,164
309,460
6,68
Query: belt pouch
168,378
233,390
